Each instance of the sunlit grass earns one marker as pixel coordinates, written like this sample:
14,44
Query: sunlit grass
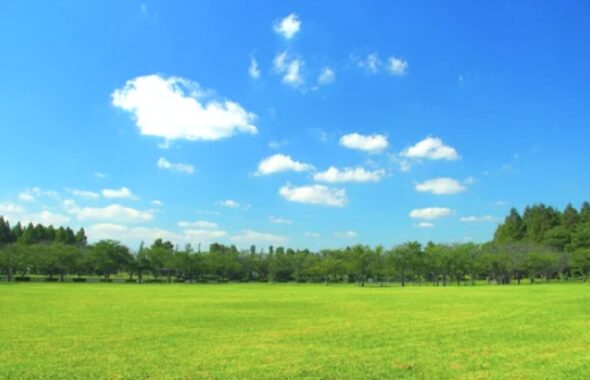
266,331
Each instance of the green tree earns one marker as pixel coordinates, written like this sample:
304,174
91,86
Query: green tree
109,257
403,257
513,228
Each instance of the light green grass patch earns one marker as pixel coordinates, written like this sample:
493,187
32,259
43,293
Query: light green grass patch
266,331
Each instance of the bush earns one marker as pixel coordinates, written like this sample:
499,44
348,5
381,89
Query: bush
49,279
22,279
131,280
180,280
105,280
78,279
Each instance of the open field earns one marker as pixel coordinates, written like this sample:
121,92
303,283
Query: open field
263,331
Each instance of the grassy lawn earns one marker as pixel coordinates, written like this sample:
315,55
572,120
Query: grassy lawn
260,331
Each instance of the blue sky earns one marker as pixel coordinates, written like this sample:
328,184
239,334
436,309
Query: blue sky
305,124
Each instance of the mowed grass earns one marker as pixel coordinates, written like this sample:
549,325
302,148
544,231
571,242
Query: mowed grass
260,331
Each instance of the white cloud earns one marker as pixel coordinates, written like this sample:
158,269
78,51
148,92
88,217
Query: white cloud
100,175
206,235
470,180
277,144
47,217
327,76
397,66
181,167
288,27
32,194
314,235
346,234
27,197
314,194
430,213
253,69
290,69
431,148
10,208
441,186
122,193
371,63
15,213
129,235
370,143
156,202
479,219
176,108
280,163
114,212
404,166
229,203
255,237
91,195
425,225
358,174
275,220
199,224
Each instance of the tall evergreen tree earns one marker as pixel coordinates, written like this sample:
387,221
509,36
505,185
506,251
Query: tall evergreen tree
513,228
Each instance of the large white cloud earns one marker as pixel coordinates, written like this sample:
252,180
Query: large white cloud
280,163
114,212
358,174
122,193
441,186
431,148
176,108
288,27
369,143
431,213
314,194
181,167
130,235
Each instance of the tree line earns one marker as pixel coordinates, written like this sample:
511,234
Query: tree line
541,245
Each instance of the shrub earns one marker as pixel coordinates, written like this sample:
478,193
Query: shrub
54,279
22,279
131,280
78,279
105,280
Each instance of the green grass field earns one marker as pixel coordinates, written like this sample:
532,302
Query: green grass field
259,331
